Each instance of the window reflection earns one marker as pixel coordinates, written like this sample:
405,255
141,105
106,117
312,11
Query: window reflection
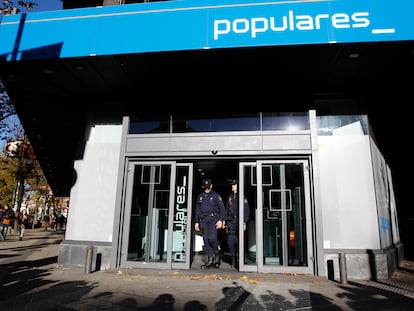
285,121
221,123
211,123
342,125
147,125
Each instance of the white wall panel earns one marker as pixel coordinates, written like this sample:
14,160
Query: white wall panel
92,199
347,193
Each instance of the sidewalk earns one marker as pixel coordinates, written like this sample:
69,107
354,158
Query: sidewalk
30,279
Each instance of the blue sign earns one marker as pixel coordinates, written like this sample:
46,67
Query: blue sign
195,25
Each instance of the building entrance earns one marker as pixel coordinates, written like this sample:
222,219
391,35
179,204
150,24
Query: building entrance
278,237
159,201
157,215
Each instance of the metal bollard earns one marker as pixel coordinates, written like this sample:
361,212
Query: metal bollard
342,268
330,268
89,256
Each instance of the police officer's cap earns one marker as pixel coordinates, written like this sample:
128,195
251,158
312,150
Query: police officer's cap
206,183
234,182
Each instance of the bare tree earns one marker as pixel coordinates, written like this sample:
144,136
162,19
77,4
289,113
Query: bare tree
21,177
10,126
8,7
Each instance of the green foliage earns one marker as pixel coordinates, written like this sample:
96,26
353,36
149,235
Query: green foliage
27,173
8,170
16,171
35,182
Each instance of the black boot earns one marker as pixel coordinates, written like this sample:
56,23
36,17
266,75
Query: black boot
217,259
233,261
211,263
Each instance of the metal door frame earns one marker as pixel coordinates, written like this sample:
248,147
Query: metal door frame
175,198
259,266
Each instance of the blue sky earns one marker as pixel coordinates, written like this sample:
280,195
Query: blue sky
45,5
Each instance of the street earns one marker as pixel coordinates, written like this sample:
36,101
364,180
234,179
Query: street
32,280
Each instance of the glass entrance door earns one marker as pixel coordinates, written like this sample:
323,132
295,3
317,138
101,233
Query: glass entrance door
157,215
278,237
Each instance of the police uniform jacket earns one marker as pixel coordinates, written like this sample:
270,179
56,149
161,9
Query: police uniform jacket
233,210
209,207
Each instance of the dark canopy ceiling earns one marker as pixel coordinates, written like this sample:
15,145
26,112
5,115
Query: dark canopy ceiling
53,97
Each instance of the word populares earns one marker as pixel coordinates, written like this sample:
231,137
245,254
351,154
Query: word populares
289,22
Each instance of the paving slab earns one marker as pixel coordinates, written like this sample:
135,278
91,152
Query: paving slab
31,279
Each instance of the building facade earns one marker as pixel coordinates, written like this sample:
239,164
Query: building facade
319,186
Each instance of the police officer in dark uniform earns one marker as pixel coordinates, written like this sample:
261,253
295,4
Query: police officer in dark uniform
209,217
232,219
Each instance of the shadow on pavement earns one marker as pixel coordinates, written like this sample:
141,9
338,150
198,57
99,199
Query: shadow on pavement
35,285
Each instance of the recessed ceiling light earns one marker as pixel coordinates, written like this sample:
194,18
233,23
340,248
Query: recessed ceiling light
47,71
79,67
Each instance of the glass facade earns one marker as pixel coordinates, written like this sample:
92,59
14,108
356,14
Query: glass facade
221,123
